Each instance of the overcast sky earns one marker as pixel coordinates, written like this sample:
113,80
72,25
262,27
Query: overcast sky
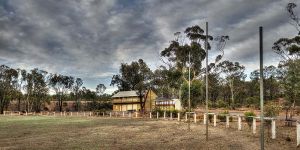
90,38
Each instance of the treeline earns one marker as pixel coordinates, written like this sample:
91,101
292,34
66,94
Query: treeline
31,89
228,87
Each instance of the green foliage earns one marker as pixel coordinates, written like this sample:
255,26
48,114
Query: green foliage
221,104
222,116
252,102
272,110
249,117
196,86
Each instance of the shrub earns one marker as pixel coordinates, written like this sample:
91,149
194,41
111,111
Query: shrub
252,101
222,116
221,104
272,110
249,117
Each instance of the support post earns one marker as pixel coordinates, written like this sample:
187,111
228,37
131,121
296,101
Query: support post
239,123
273,129
90,113
215,120
261,88
123,114
206,80
164,114
254,126
150,115
4,113
178,116
157,115
110,114
204,118
19,113
227,121
298,133
171,115
186,117
195,117
26,113
136,114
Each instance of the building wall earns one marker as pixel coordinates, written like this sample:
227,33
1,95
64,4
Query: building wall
133,103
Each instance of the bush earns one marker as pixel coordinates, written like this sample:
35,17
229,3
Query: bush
252,101
272,110
221,104
249,117
222,116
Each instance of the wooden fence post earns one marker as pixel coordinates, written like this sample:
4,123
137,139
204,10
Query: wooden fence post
171,115
204,118
239,123
178,116
273,129
298,133
195,117
186,118
215,120
110,114
157,115
227,121
150,114
254,125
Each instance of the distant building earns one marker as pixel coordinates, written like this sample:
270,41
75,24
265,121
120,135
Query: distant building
168,104
130,101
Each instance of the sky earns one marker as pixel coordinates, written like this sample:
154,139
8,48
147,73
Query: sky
89,39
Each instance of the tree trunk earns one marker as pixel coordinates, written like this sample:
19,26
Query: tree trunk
231,90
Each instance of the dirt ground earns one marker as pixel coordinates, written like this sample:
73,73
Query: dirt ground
48,132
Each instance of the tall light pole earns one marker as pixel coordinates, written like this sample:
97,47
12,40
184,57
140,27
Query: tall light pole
189,113
261,58
206,80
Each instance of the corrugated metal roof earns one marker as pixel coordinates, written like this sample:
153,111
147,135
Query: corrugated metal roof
126,94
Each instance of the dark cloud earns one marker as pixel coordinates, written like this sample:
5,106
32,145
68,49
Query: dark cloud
90,38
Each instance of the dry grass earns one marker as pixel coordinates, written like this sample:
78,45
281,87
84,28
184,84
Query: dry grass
45,132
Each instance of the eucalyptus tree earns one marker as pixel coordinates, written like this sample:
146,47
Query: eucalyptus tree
8,81
234,72
40,88
135,76
100,89
76,91
191,43
20,85
61,85
271,84
289,50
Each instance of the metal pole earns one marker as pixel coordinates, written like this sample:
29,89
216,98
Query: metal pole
189,90
261,89
206,80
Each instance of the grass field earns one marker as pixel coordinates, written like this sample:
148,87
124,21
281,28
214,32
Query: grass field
46,132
